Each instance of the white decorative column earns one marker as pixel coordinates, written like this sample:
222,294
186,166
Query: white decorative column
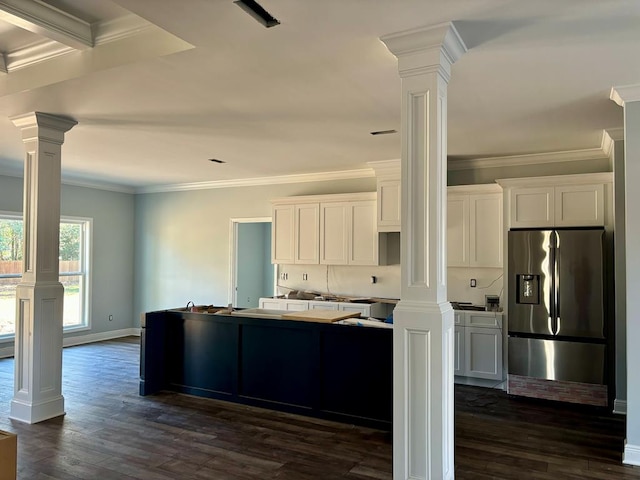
39,296
423,404
629,98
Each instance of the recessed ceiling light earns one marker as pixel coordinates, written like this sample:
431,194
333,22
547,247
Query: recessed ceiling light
256,10
215,160
383,132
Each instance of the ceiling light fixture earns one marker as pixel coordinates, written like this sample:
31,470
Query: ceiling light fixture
383,132
254,9
215,160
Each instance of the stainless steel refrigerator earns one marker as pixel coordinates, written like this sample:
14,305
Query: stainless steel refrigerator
556,316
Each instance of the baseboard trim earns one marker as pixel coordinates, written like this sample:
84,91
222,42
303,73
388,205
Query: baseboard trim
631,455
82,339
620,407
100,337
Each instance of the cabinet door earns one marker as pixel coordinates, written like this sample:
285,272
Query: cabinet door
334,227
319,305
389,205
579,205
532,207
364,310
458,231
295,305
270,303
483,353
282,234
458,350
307,233
363,233
485,230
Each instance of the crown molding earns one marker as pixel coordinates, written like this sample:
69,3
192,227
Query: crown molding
120,28
624,94
386,168
474,189
252,182
577,179
528,159
71,180
47,21
106,32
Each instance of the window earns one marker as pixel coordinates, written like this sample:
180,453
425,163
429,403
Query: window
74,270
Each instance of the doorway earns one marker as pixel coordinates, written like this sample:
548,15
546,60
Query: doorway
252,273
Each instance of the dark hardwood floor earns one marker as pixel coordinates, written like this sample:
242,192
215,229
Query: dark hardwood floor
110,432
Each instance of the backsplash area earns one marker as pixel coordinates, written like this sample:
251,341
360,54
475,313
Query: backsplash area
352,281
489,281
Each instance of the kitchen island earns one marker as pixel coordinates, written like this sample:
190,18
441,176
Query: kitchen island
323,370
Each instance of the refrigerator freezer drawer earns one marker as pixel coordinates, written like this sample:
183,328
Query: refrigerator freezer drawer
557,360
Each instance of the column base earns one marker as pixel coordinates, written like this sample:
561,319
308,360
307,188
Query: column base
423,402
28,412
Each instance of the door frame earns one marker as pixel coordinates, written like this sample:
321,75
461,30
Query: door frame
233,250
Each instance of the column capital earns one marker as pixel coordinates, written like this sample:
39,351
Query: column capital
422,49
38,125
624,94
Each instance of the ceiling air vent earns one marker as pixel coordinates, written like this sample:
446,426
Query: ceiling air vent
254,9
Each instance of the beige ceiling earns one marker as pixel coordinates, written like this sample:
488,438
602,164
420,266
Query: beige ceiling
170,84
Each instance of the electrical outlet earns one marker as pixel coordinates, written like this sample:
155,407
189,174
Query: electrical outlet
111,318
472,283
305,276
374,279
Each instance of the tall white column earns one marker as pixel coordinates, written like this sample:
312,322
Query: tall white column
629,98
39,296
423,405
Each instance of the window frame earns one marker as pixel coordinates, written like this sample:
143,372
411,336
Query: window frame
86,257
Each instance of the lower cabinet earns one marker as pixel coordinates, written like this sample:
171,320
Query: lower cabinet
478,345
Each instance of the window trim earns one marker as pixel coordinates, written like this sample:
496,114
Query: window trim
87,260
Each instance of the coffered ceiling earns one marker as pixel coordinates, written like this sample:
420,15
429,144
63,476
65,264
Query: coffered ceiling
159,87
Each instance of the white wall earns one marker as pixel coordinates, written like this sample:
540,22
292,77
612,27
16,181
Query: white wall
488,282
113,231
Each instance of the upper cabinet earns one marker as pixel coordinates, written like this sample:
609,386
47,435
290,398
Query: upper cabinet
560,201
295,233
328,230
474,226
388,192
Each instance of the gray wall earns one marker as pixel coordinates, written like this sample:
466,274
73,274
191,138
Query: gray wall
489,175
112,265
254,270
182,248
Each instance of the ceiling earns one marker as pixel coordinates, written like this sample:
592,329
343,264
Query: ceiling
169,85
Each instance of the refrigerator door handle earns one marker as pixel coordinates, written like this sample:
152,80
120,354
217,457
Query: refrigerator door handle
554,310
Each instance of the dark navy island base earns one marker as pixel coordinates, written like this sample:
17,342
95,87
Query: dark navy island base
335,372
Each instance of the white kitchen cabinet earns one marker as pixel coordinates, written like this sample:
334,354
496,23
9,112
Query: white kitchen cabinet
295,305
334,233
307,234
458,350
483,353
579,205
283,236
320,305
389,195
295,234
327,229
474,226
348,233
376,309
271,304
561,201
532,207
478,345
458,231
